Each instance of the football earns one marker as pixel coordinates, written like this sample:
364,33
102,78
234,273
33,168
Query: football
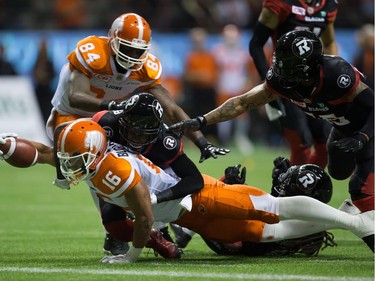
19,152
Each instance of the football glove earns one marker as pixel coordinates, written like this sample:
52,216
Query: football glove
353,143
3,138
195,124
62,183
234,175
154,199
131,256
113,105
209,150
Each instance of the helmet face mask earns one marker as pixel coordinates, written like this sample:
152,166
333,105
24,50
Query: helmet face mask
296,58
140,122
129,39
81,146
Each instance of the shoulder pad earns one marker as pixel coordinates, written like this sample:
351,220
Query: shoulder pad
152,67
338,72
92,54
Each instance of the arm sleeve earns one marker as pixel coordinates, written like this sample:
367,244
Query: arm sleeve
191,180
257,42
365,100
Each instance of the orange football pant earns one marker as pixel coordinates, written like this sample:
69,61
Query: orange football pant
225,213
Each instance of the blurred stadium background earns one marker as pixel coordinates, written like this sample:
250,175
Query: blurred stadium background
38,234
26,26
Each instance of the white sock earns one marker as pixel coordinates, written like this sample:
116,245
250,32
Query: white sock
310,210
291,229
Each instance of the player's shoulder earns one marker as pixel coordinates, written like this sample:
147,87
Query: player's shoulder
331,5
151,69
109,121
337,72
280,6
93,52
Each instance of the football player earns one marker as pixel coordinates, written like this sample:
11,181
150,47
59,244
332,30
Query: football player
241,212
324,87
301,132
142,115
103,71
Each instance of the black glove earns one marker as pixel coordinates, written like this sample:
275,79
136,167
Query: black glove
234,176
113,105
281,165
353,143
208,150
196,124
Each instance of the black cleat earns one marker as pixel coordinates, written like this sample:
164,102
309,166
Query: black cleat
181,238
114,247
369,240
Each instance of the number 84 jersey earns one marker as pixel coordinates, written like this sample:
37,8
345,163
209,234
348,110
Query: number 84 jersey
93,58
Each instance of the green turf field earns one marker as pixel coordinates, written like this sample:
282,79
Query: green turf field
52,234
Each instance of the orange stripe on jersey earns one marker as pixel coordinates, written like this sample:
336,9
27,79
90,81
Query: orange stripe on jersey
115,176
92,56
149,163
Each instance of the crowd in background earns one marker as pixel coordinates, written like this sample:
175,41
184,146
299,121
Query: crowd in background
212,73
162,15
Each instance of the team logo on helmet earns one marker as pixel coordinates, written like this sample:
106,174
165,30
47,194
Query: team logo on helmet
302,47
343,81
131,102
307,180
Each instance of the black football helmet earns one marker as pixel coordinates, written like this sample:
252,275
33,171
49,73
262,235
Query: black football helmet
308,179
296,57
141,121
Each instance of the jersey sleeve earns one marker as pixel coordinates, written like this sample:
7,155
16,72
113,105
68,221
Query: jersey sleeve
331,9
115,177
279,8
91,56
340,79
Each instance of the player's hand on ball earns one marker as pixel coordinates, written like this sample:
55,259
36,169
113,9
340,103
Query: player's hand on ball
4,136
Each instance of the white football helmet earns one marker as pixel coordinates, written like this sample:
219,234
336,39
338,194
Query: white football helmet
129,39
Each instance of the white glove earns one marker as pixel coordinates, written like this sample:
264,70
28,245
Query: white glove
273,113
154,200
4,136
63,184
131,256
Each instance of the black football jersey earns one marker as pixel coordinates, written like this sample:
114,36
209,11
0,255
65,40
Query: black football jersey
296,14
327,99
165,150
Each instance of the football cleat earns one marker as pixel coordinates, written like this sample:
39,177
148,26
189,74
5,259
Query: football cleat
114,247
365,228
162,246
181,237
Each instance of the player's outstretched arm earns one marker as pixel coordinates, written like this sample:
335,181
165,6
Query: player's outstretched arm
230,109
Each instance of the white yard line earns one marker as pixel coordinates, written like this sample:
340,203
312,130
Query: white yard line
178,274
